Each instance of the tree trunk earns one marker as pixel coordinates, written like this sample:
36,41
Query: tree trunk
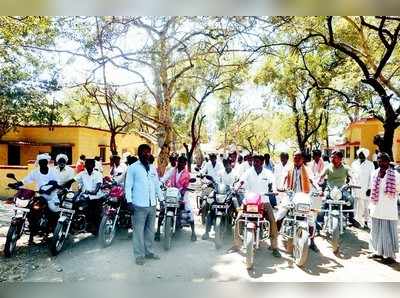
113,144
165,137
387,144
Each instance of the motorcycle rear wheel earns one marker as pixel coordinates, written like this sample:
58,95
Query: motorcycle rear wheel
249,248
167,233
107,230
11,241
59,237
300,251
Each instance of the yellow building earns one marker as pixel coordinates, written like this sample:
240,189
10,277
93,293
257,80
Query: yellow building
360,134
18,149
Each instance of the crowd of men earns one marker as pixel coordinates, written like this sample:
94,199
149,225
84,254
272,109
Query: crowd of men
375,206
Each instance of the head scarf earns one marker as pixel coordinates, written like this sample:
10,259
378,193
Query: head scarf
63,156
363,150
42,156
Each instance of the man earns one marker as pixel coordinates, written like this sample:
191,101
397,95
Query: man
317,165
336,175
80,165
212,168
64,172
362,170
385,185
260,181
98,164
118,170
227,177
44,175
281,170
141,189
268,163
90,182
298,180
178,178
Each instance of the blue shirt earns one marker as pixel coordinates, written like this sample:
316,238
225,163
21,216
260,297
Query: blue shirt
269,166
142,187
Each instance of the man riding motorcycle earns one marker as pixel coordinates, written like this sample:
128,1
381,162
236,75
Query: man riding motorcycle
226,177
90,182
298,180
212,167
179,177
64,172
260,181
118,170
44,175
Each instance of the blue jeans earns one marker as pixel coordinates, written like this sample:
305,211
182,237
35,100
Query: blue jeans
143,222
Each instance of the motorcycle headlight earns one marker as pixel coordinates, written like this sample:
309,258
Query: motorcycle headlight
21,203
67,204
70,195
220,198
210,200
336,194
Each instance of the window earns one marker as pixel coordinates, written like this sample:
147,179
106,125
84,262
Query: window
355,151
347,152
14,155
103,154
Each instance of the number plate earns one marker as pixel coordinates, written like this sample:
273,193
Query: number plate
169,205
21,209
253,215
219,206
66,210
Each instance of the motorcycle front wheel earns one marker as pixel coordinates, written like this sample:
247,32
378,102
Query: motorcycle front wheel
300,249
219,230
249,248
59,237
107,230
167,233
335,236
11,241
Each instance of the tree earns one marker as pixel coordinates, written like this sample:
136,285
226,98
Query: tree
22,89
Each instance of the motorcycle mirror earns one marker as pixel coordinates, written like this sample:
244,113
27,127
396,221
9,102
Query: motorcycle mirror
11,176
196,169
192,180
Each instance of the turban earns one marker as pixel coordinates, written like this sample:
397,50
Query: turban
365,151
63,156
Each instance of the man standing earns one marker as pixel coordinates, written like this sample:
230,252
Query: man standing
141,189
362,170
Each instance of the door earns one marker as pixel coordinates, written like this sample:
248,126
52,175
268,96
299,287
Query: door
14,155
67,150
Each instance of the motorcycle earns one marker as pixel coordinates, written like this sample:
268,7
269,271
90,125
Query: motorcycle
74,218
295,225
222,201
115,213
255,227
175,215
31,215
205,189
336,216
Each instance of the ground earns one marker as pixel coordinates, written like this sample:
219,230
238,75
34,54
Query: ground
83,260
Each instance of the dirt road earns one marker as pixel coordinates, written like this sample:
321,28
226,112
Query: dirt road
83,260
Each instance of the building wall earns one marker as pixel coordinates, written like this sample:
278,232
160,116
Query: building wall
3,154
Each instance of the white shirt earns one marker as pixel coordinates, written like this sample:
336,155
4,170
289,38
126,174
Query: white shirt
98,165
240,169
119,173
362,174
167,175
211,170
258,183
40,179
281,171
64,175
89,182
227,179
386,207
